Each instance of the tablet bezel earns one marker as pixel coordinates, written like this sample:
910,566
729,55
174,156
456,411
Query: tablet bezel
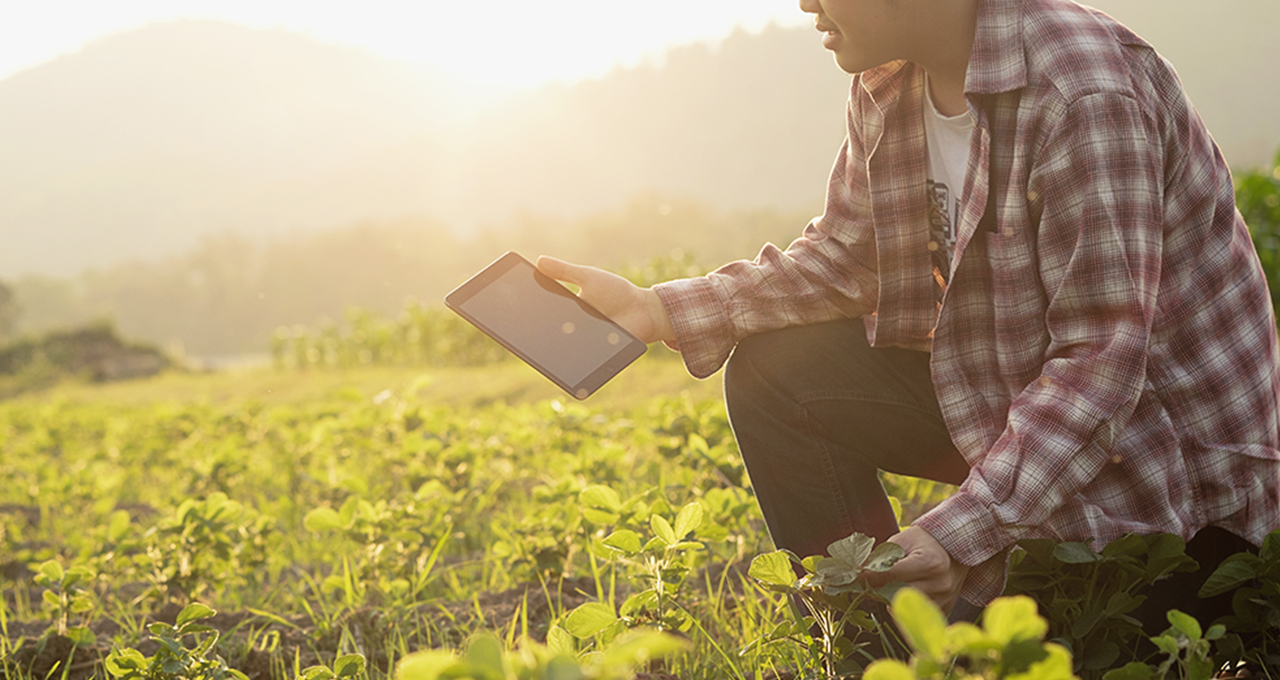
628,351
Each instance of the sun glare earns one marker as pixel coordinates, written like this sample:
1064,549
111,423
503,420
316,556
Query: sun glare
513,43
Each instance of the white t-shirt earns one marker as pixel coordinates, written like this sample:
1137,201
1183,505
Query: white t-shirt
948,138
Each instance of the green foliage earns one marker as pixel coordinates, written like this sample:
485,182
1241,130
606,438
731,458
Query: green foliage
1258,198
1008,645
204,545
391,524
486,659
1186,647
95,352
173,660
664,562
395,543
1254,581
1088,596
833,591
344,667
420,336
67,592
8,313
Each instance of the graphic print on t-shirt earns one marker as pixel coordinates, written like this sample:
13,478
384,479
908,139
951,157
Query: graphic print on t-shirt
941,226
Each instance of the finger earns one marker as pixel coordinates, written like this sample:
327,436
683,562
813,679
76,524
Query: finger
556,269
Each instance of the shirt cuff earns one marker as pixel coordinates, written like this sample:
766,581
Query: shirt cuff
704,332
967,529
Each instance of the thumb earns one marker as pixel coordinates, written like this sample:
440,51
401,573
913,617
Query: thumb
560,270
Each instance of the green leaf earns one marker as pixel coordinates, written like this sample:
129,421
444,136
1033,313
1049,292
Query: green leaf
690,518
1100,654
640,646
921,621
1055,666
430,665
853,549
1008,619
349,665
884,557
773,568
1234,572
1167,644
1271,546
51,598
662,529
1185,624
624,540
563,667
1134,670
601,497
600,517
485,654
81,636
52,571
639,602
560,641
1075,553
194,612
122,661
834,572
316,673
589,619
75,575
888,669
323,519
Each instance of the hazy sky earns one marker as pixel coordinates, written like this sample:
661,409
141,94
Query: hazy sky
510,42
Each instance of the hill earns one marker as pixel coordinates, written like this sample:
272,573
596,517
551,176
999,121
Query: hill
144,143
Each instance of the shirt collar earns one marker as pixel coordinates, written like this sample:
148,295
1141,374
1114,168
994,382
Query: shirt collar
997,62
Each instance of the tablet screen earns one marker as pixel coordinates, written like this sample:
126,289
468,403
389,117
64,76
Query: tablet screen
546,324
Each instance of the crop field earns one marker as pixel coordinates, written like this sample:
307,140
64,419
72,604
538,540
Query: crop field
426,523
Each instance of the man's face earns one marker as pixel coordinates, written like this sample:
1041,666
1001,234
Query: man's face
861,34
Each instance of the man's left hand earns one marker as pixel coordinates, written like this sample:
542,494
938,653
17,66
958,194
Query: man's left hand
927,567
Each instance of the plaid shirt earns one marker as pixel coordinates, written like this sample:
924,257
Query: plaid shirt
1105,351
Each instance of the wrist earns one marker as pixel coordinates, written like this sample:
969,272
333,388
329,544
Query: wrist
662,328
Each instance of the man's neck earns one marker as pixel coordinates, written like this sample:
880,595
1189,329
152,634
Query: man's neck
947,41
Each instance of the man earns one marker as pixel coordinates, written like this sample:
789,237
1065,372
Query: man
1029,279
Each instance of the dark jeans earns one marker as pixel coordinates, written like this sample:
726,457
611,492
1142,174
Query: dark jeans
818,413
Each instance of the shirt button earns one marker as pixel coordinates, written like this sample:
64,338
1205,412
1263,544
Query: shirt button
1032,196
1116,459
933,246
1045,381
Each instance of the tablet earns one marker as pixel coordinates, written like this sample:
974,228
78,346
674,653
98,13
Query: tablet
545,324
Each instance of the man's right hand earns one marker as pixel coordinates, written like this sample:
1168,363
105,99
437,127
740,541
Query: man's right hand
639,310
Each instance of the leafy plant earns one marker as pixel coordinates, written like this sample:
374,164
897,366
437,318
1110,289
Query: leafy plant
1008,645
486,659
344,667
203,545
832,589
396,542
1088,596
66,593
173,660
1258,198
1255,619
664,561
1186,646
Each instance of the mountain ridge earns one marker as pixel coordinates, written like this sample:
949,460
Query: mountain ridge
147,141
